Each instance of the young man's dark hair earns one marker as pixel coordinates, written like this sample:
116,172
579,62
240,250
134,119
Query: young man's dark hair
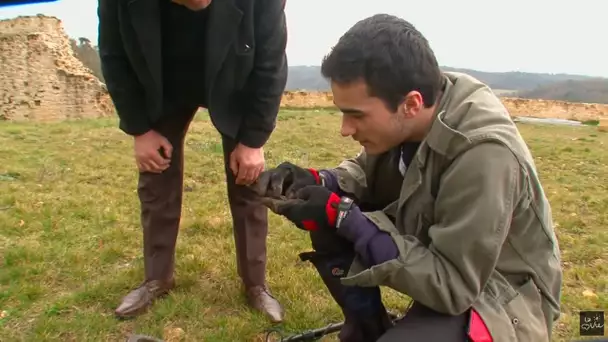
390,55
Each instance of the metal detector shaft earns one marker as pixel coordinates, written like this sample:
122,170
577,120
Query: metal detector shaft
313,335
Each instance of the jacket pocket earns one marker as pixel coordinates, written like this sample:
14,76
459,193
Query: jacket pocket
524,311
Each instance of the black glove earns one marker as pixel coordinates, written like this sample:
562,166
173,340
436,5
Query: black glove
314,207
284,180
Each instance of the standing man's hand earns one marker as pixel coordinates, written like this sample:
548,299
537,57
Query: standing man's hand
246,163
148,148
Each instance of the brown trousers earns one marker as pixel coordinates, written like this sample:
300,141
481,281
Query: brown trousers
161,205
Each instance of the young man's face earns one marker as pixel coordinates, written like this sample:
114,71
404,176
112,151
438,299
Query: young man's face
367,119
194,5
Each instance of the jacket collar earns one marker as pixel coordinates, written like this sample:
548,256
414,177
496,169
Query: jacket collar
442,138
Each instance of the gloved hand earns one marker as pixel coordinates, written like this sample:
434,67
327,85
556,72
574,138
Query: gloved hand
284,180
314,207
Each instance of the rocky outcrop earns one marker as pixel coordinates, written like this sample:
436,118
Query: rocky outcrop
41,79
515,106
555,109
307,99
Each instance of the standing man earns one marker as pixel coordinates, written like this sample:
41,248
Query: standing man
444,202
162,60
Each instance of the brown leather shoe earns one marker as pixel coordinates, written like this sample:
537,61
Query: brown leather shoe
260,298
140,299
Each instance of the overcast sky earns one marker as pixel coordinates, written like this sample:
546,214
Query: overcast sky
555,36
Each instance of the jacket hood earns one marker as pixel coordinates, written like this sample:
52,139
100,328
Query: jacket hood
468,111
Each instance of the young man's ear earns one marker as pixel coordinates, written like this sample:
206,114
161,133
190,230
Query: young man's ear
412,104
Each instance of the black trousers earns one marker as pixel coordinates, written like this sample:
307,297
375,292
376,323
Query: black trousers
425,325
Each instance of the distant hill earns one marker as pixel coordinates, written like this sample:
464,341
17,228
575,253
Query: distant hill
515,80
591,91
574,88
306,78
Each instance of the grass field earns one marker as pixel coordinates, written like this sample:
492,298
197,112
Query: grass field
70,241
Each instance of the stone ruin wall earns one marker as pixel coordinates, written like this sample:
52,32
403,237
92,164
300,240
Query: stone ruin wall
515,106
40,77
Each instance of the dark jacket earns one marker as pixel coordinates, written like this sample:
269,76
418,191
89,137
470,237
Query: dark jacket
245,64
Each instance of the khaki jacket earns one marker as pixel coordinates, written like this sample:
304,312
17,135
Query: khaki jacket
470,218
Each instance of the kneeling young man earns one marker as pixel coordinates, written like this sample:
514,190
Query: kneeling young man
443,203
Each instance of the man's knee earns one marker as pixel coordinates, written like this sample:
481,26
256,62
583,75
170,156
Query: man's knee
152,187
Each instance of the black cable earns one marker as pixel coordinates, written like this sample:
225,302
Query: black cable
309,335
273,331
315,334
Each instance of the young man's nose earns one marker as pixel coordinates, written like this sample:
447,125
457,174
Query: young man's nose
347,129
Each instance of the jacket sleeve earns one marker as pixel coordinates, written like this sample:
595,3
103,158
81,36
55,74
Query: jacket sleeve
268,79
125,90
473,212
351,177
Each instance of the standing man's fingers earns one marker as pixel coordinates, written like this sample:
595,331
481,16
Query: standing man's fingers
153,167
146,167
242,174
256,173
152,164
166,145
250,175
246,175
157,160
234,166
